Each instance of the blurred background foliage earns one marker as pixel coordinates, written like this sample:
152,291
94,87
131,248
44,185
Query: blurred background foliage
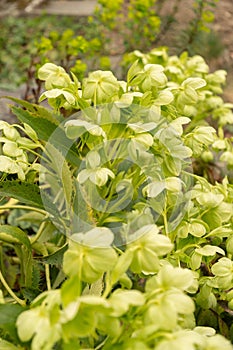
100,41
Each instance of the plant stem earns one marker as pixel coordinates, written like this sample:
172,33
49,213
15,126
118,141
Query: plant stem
101,344
164,214
108,285
10,291
47,275
6,207
39,232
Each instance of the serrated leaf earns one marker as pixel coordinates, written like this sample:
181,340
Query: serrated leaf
27,193
32,289
48,128
37,109
43,127
55,258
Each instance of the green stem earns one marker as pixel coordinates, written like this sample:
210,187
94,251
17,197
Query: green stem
47,276
35,153
101,344
39,232
95,99
178,252
10,291
164,214
221,132
43,250
103,215
108,285
79,289
6,207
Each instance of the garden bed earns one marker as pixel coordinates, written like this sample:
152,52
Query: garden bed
116,210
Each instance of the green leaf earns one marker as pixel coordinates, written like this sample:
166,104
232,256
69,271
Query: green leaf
133,71
55,258
196,228
210,200
60,166
122,265
5,345
8,317
44,127
48,128
13,234
213,219
27,193
37,110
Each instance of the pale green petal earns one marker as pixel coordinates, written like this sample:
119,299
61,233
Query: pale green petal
97,237
164,98
8,165
195,83
209,250
10,148
84,175
93,159
46,70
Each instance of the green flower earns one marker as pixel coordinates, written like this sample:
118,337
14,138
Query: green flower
98,176
41,322
170,277
181,340
147,246
55,93
54,76
100,87
90,255
10,166
223,271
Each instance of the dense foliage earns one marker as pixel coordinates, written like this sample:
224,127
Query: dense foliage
116,225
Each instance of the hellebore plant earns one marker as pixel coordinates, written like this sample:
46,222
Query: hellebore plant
118,241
